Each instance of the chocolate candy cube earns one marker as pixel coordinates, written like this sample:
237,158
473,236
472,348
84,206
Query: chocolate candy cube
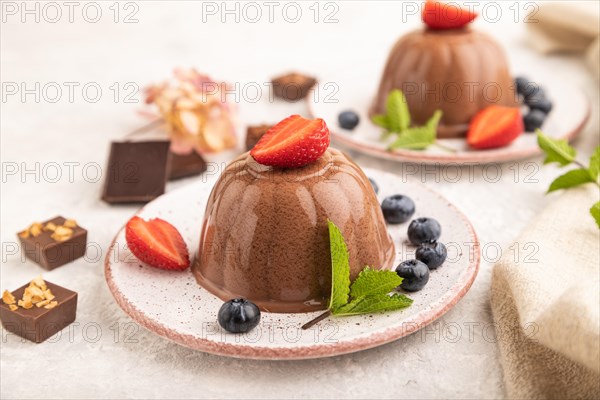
39,323
137,171
52,244
293,86
254,133
184,165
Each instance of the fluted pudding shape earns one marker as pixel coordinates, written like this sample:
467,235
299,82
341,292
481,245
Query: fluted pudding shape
459,71
265,235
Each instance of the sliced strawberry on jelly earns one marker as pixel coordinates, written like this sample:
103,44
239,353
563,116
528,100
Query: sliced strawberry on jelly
292,143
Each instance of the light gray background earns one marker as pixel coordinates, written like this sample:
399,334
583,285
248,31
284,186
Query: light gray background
431,363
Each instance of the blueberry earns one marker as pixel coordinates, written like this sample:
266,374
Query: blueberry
542,104
397,209
415,275
239,316
423,230
375,185
433,254
521,83
533,120
348,120
533,92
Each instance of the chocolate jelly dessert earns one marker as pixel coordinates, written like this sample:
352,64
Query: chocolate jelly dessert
265,235
458,71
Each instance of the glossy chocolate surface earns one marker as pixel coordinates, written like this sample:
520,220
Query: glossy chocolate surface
459,71
38,323
265,234
49,253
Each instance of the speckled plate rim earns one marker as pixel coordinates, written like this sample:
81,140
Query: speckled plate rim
499,155
419,321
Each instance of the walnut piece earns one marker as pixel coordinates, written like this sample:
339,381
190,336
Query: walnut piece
62,233
51,305
8,298
39,282
35,229
26,304
50,226
70,223
42,303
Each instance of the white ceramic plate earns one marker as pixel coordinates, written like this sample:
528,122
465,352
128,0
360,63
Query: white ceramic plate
172,305
571,110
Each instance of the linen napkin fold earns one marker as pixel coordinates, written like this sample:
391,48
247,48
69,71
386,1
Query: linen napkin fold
573,27
546,303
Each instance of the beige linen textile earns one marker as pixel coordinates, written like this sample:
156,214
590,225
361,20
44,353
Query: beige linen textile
547,306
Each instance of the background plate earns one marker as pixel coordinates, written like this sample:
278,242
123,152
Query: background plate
571,110
172,305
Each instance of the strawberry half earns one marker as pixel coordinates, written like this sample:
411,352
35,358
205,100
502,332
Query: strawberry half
292,143
495,126
438,15
157,243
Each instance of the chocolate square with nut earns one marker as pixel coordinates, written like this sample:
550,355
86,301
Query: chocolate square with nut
254,133
137,171
293,86
53,243
39,323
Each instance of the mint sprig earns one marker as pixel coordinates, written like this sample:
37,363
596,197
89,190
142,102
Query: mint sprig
369,293
559,151
396,122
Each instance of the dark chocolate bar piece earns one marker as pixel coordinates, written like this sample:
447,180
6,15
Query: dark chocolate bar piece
293,86
254,133
137,171
38,323
184,165
50,250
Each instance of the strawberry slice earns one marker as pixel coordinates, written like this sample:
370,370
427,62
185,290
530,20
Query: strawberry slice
495,126
438,15
294,142
157,243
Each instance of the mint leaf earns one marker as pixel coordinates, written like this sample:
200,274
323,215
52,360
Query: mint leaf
398,117
595,211
415,139
418,138
595,165
434,121
557,150
340,268
380,120
373,304
371,282
572,178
